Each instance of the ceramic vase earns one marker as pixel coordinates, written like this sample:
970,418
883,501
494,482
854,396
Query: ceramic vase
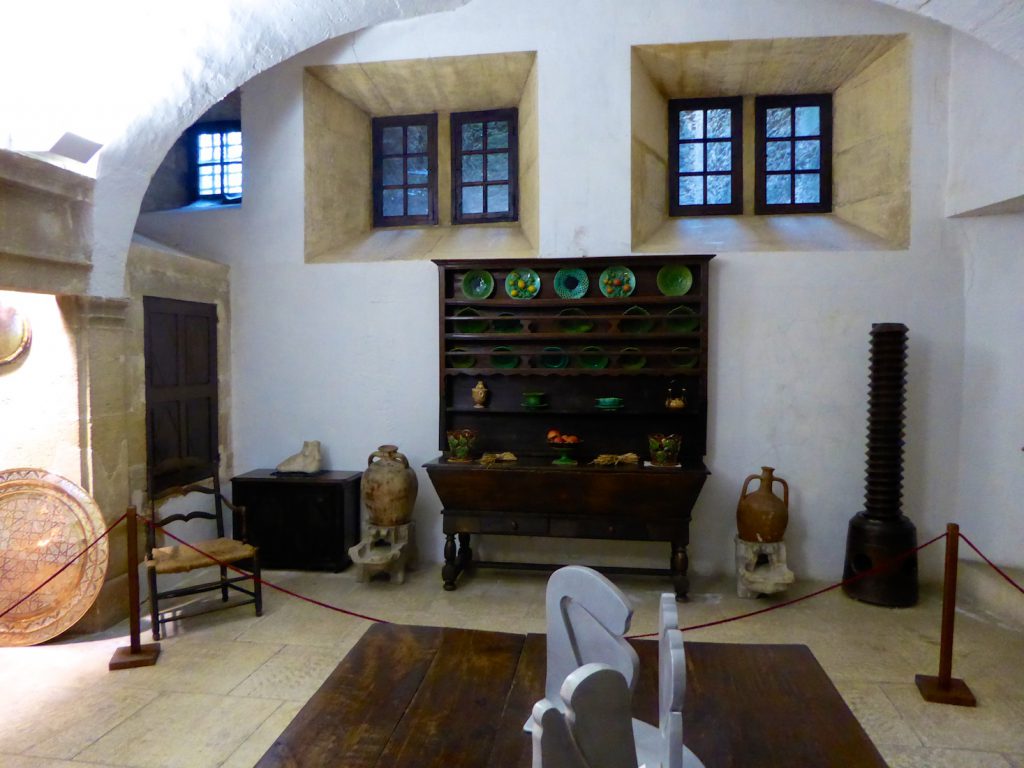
388,487
762,516
461,445
480,393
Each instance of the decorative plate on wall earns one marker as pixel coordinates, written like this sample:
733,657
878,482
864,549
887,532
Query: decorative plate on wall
571,283
15,335
477,284
46,521
522,283
617,281
674,279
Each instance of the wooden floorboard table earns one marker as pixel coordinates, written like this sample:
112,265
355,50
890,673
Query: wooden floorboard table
426,697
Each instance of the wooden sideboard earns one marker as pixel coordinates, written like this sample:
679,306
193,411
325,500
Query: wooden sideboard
574,341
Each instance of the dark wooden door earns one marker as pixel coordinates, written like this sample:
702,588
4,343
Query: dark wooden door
181,390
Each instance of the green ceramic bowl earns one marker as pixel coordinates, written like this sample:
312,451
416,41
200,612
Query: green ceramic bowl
630,358
477,284
460,358
592,357
571,283
504,357
682,319
506,322
468,320
575,320
636,320
684,357
674,279
553,357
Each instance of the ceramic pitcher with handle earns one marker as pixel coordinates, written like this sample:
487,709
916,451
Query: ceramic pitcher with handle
388,487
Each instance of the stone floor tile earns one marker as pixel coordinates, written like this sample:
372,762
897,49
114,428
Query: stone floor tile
877,715
27,761
927,757
254,747
60,723
182,730
292,674
298,623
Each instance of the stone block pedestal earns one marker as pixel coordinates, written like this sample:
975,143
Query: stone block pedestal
385,549
761,568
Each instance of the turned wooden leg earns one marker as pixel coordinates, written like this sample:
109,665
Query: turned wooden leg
680,563
450,569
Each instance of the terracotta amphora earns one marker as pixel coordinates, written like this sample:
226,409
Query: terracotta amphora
388,487
762,516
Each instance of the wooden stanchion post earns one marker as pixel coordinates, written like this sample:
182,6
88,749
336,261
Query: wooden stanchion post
137,654
946,689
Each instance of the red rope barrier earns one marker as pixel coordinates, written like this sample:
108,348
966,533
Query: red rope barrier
995,567
266,583
852,579
68,564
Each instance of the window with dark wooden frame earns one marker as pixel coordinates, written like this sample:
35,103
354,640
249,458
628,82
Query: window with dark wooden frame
215,161
181,390
404,170
485,166
793,154
705,156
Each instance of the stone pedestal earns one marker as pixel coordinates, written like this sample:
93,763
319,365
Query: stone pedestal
386,549
761,568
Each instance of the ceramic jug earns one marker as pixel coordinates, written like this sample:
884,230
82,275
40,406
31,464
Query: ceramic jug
762,516
388,487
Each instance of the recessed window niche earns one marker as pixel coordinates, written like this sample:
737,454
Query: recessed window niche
869,79
339,102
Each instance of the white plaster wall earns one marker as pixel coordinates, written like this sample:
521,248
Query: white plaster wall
345,353
992,433
986,151
39,393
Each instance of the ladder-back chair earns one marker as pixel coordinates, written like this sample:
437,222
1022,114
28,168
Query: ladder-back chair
179,558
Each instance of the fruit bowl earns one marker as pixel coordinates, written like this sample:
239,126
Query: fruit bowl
565,452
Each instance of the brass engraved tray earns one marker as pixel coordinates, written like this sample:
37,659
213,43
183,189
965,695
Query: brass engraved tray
45,520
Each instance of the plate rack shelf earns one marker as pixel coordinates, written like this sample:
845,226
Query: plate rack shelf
575,346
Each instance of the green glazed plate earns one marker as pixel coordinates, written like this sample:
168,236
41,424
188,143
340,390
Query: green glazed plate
631,359
592,357
522,283
636,320
575,320
506,322
684,357
682,319
504,357
460,358
674,279
468,320
617,281
553,357
571,283
477,284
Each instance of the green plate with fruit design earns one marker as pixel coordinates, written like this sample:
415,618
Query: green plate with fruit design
522,283
617,281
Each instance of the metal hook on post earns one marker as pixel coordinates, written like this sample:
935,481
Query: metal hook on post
946,689
137,654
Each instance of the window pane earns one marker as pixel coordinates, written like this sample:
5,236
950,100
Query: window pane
497,198
418,202
808,155
778,189
393,199
393,171
719,156
472,135
233,179
417,138
391,140
206,180
472,167
691,124
233,151
719,190
691,190
691,158
497,166
472,199
417,167
719,123
808,188
497,135
779,156
777,122
808,121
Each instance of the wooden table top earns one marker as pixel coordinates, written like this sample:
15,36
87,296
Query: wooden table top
412,697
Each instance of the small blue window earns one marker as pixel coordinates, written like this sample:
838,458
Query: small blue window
216,152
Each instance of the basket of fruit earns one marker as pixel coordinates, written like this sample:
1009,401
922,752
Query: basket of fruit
565,446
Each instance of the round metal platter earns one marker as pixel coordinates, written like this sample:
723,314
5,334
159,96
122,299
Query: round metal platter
45,520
